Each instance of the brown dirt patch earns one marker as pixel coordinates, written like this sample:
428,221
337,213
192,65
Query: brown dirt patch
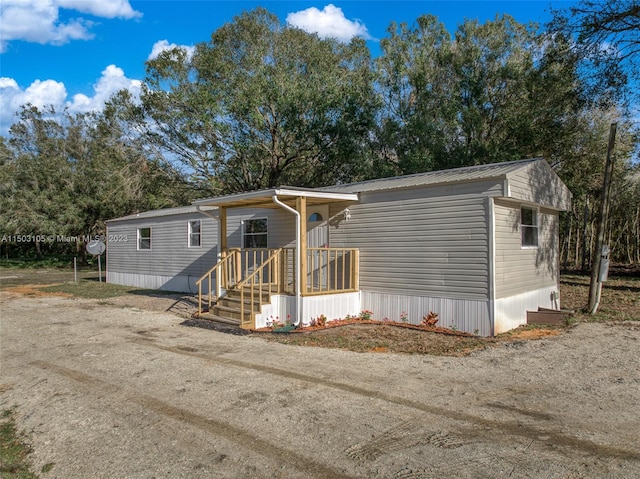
535,333
35,291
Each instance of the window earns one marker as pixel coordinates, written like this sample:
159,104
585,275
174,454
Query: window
144,238
315,217
195,234
255,233
529,227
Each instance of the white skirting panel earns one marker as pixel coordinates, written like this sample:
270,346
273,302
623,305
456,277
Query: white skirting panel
182,284
281,308
333,306
472,316
511,312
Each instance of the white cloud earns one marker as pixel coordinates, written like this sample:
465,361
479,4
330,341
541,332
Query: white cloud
50,92
162,45
101,8
38,20
328,22
111,81
39,93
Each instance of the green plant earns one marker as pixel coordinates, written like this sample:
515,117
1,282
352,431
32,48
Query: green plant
321,320
365,314
404,317
13,449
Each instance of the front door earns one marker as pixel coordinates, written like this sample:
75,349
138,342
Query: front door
318,237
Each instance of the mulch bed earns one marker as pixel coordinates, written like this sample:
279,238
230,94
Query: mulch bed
347,322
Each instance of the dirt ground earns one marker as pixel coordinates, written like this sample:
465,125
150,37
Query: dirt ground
119,388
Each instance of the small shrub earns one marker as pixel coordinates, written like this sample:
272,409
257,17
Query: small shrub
321,320
404,317
365,314
430,319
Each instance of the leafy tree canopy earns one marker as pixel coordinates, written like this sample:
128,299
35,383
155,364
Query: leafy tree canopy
262,105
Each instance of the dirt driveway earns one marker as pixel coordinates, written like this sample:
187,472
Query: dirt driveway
115,391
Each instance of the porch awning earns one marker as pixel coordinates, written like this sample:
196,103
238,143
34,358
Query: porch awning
286,194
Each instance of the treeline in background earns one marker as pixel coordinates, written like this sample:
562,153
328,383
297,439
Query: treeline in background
262,104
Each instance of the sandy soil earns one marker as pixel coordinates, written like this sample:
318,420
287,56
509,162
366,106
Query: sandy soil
106,389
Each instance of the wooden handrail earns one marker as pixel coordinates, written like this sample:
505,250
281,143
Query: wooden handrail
273,263
224,270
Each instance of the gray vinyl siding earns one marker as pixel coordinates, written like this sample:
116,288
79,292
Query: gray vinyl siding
517,269
538,183
422,241
281,226
169,254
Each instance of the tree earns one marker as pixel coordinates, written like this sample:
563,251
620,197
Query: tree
63,175
262,105
607,37
415,79
42,201
498,91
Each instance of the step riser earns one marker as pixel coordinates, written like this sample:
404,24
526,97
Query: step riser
221,319
228,306
247,296
231,314
233,303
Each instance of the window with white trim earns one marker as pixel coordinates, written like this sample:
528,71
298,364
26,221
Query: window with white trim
195,234
529,227
254,233
144,238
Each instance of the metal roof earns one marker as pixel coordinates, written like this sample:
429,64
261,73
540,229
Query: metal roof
287,194
181,210
346,192
456,175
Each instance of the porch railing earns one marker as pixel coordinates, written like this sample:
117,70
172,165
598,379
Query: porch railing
332,270
225,273
260,285
257,273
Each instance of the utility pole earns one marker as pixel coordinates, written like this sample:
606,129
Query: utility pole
598,252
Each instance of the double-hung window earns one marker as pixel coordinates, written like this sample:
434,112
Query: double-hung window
255,233
529,227
144,238
195,234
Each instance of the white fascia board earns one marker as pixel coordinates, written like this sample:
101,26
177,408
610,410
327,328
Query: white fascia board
268,194
317,194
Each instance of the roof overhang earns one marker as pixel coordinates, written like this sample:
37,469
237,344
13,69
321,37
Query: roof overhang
264,198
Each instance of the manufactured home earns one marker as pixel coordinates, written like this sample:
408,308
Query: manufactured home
476,245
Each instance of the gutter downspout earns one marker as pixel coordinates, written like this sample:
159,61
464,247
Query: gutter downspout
219,254
298,259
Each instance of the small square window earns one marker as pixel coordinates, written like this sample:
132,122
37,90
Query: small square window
195,234
529,227
144,238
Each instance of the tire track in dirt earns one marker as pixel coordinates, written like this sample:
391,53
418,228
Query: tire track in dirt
283,456
400,437
514,428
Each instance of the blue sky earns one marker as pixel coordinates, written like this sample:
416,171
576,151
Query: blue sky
76,53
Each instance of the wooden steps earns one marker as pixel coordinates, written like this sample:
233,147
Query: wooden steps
227,309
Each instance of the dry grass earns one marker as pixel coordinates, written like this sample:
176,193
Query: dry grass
620,302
